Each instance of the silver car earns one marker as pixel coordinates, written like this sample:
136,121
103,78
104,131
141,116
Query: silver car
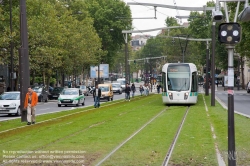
10,103
117,88
84,89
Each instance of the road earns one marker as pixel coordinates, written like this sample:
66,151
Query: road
51,106
241,99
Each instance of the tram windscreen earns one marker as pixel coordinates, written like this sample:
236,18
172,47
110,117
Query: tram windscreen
178,77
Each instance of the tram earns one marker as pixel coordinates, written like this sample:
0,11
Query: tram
179,83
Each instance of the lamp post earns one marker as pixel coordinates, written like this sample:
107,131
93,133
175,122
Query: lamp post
23,58
11,49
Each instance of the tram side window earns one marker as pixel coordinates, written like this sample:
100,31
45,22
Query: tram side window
194,87
164,82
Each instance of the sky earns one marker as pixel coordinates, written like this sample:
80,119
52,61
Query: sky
140,11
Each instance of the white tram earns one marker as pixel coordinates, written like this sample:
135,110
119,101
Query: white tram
179,83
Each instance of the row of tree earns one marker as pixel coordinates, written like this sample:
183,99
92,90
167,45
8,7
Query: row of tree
200,27
68,36
65,36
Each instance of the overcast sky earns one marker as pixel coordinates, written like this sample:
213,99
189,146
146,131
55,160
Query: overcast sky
139,11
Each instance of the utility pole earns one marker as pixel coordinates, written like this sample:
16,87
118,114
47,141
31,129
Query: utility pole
126,59
207,70
23,59
212,66
11,50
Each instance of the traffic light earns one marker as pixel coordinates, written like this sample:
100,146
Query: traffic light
134,61
229,33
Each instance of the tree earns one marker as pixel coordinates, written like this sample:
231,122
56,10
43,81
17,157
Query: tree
171,21
105,15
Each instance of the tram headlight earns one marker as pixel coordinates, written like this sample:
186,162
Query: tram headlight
186,95
170,95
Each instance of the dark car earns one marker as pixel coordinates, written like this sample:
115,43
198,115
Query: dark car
54,94
42,93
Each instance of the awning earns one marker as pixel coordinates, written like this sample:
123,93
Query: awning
221,75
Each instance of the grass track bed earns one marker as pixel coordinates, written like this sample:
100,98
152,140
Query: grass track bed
53,133
219,118
195,145
149,147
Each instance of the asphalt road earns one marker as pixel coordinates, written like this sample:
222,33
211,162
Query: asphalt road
241,100
51,106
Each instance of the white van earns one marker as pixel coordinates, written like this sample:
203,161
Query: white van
122,81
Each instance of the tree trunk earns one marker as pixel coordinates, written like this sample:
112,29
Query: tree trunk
242,71
16,87
44,83
33,78
47,83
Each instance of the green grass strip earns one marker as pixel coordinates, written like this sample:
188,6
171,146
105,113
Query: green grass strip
195,145
73,132
9,124
149,147
219,119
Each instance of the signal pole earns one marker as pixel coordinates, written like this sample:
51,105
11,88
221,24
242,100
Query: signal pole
231,129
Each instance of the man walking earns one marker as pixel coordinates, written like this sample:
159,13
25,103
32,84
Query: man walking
97,94
127,92
30,103
158,87
133,90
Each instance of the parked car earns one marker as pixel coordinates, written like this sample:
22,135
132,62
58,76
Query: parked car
54,94
71,96
10,103
84,89
117,88
42,93
248,87
107,91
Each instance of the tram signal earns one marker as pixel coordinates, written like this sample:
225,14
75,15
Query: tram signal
229,33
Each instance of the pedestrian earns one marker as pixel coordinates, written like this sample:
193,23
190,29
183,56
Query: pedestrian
158,87
127,92
8,89
217,82
30,103
145,89
97,94
149,86
133,90
141,89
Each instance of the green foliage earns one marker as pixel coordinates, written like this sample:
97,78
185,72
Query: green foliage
63,35
171,21
108,26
